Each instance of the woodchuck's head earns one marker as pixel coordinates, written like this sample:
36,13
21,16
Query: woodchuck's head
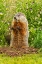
20,17
19,23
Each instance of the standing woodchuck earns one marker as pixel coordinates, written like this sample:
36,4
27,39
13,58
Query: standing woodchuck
19,31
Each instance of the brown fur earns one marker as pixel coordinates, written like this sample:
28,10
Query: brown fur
19,34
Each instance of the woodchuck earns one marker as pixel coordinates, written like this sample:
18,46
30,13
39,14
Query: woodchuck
19,31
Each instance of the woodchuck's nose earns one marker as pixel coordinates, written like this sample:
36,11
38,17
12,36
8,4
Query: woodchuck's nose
15,17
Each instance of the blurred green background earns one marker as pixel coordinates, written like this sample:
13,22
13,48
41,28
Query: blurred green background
33,11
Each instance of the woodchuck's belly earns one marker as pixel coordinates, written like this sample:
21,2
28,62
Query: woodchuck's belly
20,35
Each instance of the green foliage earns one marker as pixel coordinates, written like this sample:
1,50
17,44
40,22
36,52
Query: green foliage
2,9
4,26
26,59
33,11
37,42
40,50
3,29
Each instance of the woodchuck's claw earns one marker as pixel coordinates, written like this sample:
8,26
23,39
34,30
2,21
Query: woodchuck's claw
18,28
12,28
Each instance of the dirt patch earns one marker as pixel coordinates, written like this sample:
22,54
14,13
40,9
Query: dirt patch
17,52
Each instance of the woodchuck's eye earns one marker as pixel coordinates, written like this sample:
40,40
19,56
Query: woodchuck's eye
18,15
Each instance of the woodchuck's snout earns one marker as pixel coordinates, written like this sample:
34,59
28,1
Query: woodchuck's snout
19,31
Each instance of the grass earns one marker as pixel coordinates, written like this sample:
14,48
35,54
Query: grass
26,59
